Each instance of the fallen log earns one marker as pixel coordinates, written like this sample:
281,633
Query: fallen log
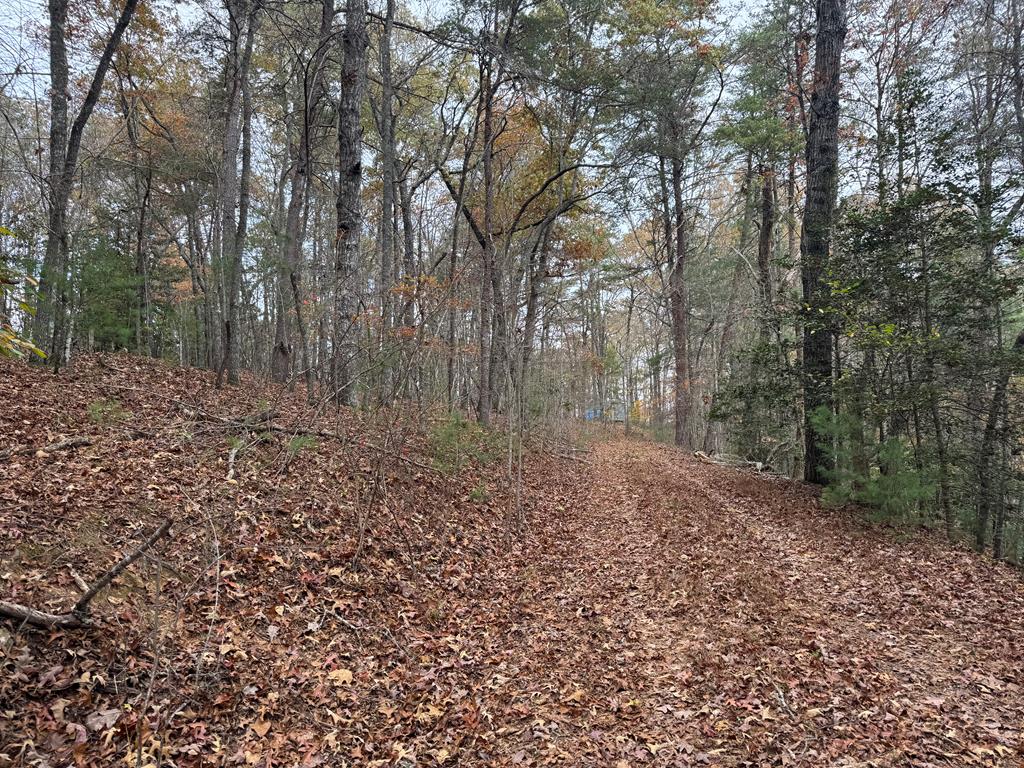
78,616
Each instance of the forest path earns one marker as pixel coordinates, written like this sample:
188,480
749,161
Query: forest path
680,613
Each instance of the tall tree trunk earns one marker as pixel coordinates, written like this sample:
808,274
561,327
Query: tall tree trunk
142,178
233,340
349,210
934,410
739,269
999,524
537,272
197,263
234,194
453,262
628,364
680,313
290,279
143,331
816,233
987,495
387,162
487,296
764,256
408,254
453,268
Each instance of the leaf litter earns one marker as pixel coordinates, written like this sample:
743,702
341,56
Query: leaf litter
337,602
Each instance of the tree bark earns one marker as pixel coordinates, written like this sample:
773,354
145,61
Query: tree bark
234,193
987,498
680,313
290,277
387,161
408,254
819,213
764,255
349,209
537,273
487,297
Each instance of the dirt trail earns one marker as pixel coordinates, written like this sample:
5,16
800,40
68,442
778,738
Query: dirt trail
689,614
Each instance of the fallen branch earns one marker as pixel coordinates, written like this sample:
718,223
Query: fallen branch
327,435
78,616
231,462
60,445
258,419
263,422
79,581
728,460
36,618
104,363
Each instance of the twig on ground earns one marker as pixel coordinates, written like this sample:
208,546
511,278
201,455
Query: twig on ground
79,581
215,614
78,616
782,699
60,445
231,462
266,424
728,460
36,618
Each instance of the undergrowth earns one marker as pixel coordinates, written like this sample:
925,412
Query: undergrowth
456,441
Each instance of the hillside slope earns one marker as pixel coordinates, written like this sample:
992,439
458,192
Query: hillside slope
330,598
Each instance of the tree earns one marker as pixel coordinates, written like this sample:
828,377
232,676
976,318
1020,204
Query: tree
308,107
822,157
234,186
51,331
348,208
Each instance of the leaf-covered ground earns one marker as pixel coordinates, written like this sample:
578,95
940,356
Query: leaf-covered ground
338,601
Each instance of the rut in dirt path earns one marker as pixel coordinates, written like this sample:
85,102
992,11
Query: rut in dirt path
684,614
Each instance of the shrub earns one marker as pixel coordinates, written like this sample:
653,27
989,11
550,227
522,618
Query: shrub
479,493
106,412
875,475
300,443
457,440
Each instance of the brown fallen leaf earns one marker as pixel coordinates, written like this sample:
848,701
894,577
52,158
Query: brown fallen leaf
261,728
340,676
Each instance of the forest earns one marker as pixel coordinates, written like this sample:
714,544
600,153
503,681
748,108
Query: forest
791,234
650,318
